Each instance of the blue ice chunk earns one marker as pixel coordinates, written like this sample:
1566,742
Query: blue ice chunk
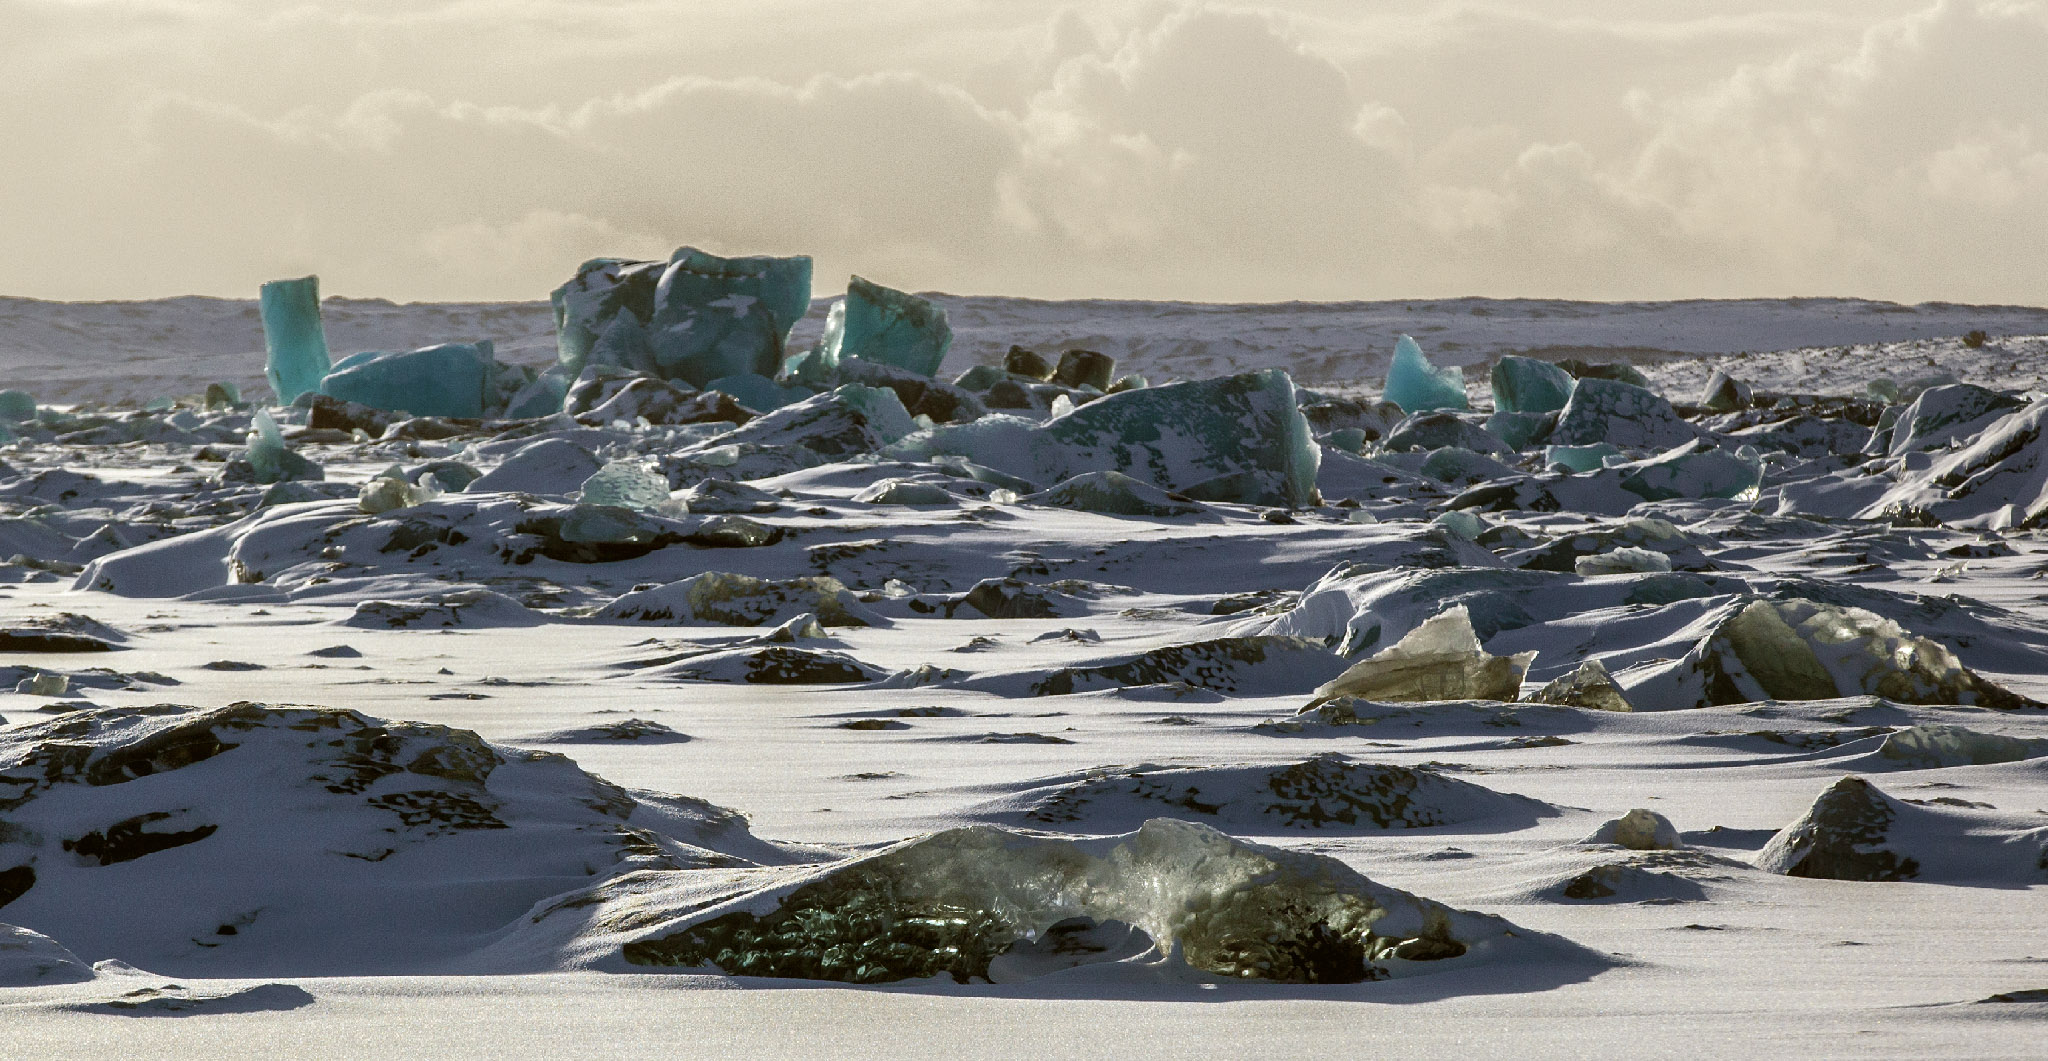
605,292
452,379
718,316
1580,458
542,397
1520,430
1526,385
626,484
758,393
16,406
876,323
1236,438
293,337
1418,386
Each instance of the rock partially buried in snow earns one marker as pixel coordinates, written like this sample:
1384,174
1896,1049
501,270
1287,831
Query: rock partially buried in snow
952,903
1441,659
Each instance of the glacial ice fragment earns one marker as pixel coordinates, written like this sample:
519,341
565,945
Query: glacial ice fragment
1798,649
626,484
954,902
696,318
604,293
222,394
1844,835
876,323
1587,686
1085,368
741,600
1696,469
1418,386
451,379
1580,458
1441,659
269,461
31,959
17,406
1236,438
293,337
1939,415
1526,385
544,396
1724,393
1519,431
1626,560
901,491
1929,746
1603,410
757,392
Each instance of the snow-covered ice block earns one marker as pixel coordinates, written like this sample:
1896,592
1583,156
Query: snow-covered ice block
294,339
1602,410
626,484
1441,659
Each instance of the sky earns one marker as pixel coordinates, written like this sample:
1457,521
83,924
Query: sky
1366,149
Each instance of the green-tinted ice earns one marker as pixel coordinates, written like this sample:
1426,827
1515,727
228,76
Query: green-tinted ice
293,337
1418,386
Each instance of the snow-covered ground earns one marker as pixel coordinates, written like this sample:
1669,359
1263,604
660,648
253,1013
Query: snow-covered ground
317,878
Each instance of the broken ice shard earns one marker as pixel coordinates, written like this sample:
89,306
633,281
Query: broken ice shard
1526,385
876,323
293,337
1417,386
267,458
452,379
1439,660
605,292
1236,438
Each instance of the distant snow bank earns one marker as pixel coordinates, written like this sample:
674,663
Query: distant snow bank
78,351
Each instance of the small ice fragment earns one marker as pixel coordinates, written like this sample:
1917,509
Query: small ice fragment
1626,560
1580,458
1085,368
1417,386
1724,393
44,685
294,338
17,406
1441,659
627,484
1638,830
1588,686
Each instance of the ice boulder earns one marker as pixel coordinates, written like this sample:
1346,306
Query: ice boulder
1724,393
268,460
697,317
626,484
546,466
1438,429
17,406
1625,415
1418,386
1526,385
1932,746
1941,414
1798,649
1843,836
1696,469
451,379
1237,438
1441,659
294,340
31,959
1997,481
1580,458
1589,686
1638,830
876,323
844,422
968,903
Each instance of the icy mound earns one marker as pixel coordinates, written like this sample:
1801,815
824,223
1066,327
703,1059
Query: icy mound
953,903
772,665
473,608
1797,649
1998,480
740,600
1934,746
31,959
1237,666
1325,793
259,840
1853,831
62,632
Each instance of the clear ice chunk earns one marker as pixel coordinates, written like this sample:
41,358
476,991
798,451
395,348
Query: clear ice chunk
1588,686
1724,393
1418,386
1441,659
626,484
1236,438
1526,385
268,457
294,339
451,379
1580,458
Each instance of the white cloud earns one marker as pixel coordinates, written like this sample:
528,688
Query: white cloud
468,150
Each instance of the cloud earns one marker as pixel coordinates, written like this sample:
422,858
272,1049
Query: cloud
467,150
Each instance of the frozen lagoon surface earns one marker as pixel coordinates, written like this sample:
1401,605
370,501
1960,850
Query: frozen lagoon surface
1190,643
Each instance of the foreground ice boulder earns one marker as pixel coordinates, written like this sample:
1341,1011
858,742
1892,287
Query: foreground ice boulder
1237,438
1797,649
259,840
958,903
294,339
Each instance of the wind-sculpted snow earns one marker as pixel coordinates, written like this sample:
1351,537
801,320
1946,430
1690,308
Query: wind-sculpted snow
254,840
953,904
